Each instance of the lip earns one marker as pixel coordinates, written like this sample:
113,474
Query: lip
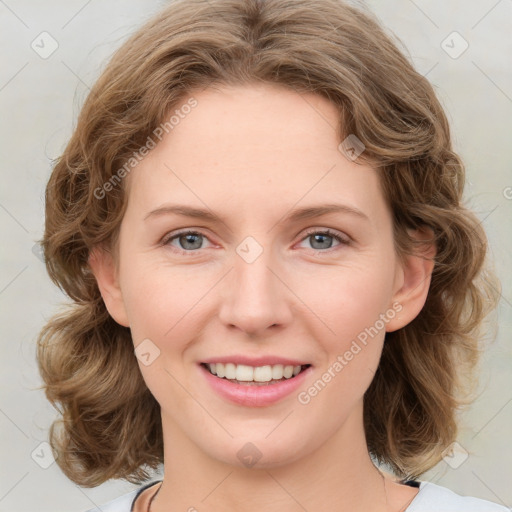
256,361
251,395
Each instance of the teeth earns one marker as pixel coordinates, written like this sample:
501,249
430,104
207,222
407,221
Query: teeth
242,372
263,373
218,370
246,373
277,371
288,371
230,371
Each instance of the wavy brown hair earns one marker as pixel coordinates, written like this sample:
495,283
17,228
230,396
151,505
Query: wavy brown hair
111,425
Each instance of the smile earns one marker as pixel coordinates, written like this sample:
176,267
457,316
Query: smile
254,386
255,375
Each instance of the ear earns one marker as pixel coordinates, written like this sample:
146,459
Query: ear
412,280
104,269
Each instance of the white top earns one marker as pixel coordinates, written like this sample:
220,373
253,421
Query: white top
430,498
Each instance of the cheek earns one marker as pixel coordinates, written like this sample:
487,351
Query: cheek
346,302
341,300
165,307
161,310
159,300
354,310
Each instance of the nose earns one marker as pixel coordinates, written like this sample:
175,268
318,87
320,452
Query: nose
255,296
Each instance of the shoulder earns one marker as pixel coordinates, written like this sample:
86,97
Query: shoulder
432,497
124,503
429,496
121,504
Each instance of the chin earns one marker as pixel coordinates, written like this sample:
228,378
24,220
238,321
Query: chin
257,452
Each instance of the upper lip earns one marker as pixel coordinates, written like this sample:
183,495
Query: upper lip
255,361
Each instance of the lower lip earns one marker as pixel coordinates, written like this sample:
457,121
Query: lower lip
253,395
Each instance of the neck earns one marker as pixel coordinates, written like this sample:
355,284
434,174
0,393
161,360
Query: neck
337,475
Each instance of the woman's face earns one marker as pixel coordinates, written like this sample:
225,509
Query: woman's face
257,283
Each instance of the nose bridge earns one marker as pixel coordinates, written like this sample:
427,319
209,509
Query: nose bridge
254,298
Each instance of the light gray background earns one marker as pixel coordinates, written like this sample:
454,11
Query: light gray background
40,99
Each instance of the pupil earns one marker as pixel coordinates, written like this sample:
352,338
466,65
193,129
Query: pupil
324,237
189,239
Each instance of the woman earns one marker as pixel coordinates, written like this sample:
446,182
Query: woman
259,220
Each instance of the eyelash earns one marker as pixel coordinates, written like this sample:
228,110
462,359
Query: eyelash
327,232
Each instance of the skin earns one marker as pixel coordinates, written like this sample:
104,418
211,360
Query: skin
252,154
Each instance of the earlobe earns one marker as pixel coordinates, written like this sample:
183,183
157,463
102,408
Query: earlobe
104,269
414,282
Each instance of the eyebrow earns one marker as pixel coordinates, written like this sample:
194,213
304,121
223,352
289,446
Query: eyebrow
295,215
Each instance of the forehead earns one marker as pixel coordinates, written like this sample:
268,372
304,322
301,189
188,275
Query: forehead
253,148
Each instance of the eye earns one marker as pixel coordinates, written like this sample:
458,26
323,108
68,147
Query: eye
323,239
188,241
